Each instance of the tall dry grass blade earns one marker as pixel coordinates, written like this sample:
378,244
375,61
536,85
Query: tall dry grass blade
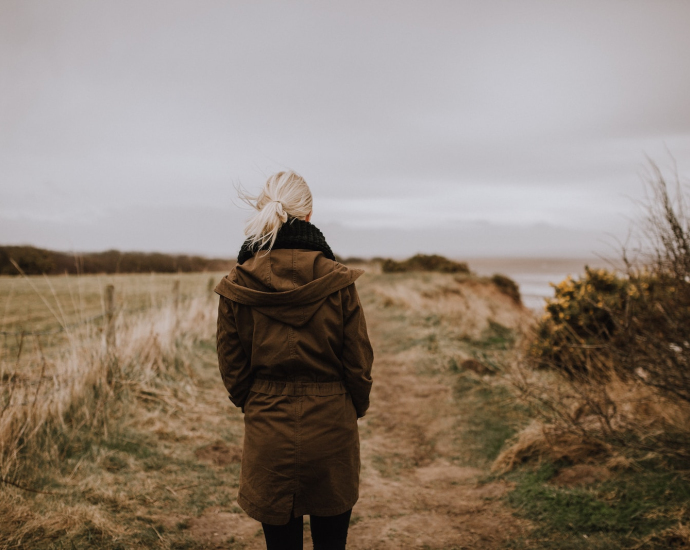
24,488
7,303
58,304
57,318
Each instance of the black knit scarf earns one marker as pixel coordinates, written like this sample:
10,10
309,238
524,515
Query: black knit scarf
293,234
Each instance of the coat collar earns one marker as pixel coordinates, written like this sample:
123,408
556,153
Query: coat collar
293,234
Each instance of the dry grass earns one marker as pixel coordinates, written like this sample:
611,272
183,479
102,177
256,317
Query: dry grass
37,303
81,377
463,329
73,396
467,304
139,447
584,484
585,421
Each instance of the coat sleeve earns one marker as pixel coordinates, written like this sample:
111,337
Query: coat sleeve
357,355
233,361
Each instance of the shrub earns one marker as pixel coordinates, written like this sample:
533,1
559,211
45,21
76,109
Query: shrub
657,323
29,259
391,266
637,326
424,262
620,345
654,340
579,324
507,286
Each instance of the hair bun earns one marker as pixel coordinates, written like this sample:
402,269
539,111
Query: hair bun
281,211
292,199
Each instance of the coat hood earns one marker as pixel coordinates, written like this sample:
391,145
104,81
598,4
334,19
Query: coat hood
288,285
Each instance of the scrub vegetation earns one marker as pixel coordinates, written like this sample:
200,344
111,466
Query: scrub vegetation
489,427
604,461
424,262
135,444
98,442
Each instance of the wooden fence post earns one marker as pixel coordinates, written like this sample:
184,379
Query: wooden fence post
110,318
176,303
176,294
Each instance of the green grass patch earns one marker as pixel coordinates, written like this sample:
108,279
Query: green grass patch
138,445
622,511
488,417
488,414
494,337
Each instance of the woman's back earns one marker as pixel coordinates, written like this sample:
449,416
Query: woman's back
294,354
290,311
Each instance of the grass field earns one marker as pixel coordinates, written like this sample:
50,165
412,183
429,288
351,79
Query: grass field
38,303
137,446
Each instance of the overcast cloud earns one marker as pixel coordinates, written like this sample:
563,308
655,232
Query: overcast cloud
466,128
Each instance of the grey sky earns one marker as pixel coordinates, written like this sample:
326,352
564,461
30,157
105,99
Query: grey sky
467,128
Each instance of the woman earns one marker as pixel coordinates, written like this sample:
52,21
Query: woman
294,354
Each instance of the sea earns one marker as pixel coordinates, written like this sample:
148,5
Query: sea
535,276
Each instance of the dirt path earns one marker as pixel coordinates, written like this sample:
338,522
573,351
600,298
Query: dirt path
415,492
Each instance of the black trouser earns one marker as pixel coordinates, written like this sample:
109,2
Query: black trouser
327,533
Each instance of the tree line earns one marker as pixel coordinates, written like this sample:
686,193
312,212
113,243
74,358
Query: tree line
38,261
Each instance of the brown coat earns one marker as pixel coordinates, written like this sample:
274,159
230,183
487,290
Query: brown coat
294,354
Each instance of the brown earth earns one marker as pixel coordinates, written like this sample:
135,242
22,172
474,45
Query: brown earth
416,490
219,453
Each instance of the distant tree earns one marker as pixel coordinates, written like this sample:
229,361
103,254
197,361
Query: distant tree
37,261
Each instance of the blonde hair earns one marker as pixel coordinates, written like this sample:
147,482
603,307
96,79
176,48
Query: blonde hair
286,195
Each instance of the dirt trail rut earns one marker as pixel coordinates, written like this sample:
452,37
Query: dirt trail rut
413,493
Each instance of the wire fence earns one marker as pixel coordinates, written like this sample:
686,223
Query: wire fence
16,379
66,327
61,328
110,313
106,328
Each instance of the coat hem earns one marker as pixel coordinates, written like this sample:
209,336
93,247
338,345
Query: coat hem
325,512
256,512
